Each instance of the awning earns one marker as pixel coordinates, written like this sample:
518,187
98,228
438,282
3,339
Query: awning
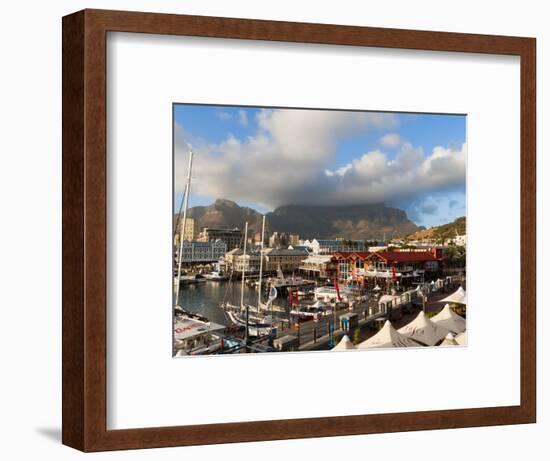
448,319
345,344
449,340
423,330
458,297
462,338
388,336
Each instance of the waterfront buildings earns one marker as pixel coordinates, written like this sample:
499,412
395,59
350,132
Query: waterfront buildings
288,260
319,267
194,252
191,229
283,240
231,237
406,260
398,264
330,246
294,239
274,258
277,240
237,262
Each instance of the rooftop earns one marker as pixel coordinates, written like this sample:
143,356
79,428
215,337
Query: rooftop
407,256
287,252
348,254
216,229
340,242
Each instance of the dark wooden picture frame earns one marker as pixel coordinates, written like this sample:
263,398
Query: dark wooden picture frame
85,223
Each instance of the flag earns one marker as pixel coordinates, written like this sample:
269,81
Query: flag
393,274
337,290
272,295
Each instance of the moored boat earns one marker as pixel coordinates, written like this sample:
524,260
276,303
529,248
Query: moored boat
216,276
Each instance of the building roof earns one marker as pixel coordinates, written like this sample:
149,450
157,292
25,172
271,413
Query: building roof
299,247
287,252
338,242
349,254
217,229
217,242
239,252
406,256
318,258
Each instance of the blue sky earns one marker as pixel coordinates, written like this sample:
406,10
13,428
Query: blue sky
265,158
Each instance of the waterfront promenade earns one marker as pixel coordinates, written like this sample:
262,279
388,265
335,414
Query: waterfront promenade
322,335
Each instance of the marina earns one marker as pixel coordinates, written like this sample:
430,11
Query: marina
244,287
320,331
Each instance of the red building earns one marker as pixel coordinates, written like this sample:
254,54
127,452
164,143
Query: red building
396,265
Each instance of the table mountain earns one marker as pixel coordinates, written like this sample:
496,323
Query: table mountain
226,214
369,221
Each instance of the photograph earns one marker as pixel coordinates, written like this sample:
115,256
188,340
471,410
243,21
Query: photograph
262,224
317,230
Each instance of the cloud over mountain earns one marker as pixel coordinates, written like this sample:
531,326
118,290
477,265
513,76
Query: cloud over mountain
291,159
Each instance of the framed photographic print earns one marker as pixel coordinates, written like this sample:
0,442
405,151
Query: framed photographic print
280,230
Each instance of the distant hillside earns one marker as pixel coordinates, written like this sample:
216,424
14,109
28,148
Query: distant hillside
445,231
227,215
369,221
350,222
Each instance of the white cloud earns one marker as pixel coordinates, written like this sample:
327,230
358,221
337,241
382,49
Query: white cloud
391,140
243,119
373,177
290,159
340,171
223,115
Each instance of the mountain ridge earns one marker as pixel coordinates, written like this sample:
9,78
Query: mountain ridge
366,221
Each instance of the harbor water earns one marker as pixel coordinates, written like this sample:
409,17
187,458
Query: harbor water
205,298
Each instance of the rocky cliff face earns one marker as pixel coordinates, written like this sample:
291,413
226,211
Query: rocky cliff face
226,214
349,222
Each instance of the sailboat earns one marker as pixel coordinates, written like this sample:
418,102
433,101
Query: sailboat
193,334
254,325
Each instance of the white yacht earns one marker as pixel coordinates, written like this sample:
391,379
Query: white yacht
216,276
329,294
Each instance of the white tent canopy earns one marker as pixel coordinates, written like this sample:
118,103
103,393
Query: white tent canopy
423,330
448,319
458,297
388,336
462,338
449,340
345,344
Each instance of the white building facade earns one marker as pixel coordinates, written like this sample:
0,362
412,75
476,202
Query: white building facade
203,252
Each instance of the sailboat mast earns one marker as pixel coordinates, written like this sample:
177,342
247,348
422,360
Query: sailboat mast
261,263
242,283
244,260
182,230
